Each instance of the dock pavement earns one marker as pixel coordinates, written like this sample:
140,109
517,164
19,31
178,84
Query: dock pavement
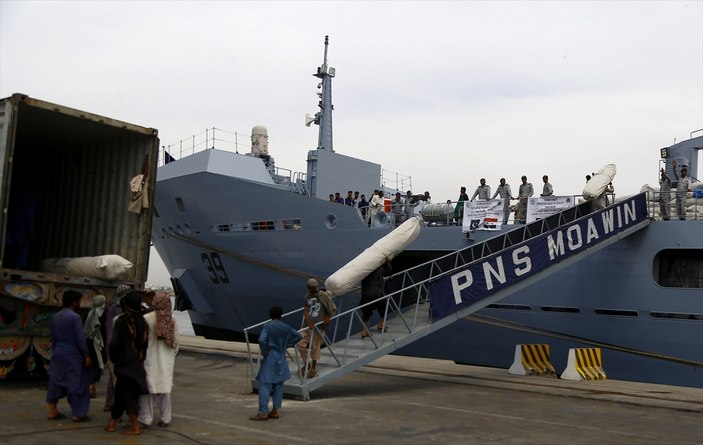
394,400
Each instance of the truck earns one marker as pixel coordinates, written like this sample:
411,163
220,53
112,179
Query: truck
76,187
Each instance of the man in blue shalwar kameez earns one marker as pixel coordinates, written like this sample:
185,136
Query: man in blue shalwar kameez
69,369
275,338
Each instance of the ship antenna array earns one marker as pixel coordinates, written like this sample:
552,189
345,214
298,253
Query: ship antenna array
323,118
327,42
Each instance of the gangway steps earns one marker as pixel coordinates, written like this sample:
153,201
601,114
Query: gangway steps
356,352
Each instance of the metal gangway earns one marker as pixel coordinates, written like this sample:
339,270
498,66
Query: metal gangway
414,309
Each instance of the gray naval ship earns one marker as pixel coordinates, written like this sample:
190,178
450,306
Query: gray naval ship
238,235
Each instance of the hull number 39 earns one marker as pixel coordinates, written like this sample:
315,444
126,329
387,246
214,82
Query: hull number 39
213,263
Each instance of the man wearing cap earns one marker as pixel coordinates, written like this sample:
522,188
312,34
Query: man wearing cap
503,190
547,190
524,192
683,183
483,191
318,308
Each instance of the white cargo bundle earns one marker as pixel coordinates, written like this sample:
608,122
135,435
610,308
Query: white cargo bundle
351,274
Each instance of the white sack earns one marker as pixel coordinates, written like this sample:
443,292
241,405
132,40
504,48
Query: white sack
351,274
596,186
105,267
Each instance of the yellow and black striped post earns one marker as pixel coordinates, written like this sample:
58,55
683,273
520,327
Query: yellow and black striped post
584,364
532,359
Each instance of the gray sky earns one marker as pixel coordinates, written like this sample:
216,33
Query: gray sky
447,92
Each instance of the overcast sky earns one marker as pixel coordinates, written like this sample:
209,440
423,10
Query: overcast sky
446,92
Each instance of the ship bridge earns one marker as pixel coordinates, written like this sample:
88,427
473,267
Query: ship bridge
435,294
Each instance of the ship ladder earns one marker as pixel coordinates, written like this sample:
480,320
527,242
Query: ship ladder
415,310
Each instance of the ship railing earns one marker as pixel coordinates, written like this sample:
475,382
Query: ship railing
447,215
396,181
224,140
299,182
470,254
209,138
693,204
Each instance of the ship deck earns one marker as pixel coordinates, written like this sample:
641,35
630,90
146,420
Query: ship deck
393,400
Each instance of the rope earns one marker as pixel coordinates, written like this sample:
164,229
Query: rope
524,328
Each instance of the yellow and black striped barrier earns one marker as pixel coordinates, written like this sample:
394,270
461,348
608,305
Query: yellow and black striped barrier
532,359
584,364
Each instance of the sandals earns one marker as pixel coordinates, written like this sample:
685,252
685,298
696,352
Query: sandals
58,416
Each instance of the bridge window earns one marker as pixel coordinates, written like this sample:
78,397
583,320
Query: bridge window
291,224
263,225
679,268
258,226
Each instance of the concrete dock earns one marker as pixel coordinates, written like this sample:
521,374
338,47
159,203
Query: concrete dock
393,400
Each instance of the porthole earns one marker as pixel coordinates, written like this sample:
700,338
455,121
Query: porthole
331,221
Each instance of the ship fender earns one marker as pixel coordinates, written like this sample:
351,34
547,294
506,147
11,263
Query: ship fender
532,359
584,364
351,274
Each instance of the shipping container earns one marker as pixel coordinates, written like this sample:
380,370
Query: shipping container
66,186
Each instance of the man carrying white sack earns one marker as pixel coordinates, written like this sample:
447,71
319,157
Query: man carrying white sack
372,289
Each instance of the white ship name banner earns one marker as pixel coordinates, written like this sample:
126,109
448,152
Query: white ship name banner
482,215
543,206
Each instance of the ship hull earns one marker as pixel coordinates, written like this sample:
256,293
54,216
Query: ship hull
237,246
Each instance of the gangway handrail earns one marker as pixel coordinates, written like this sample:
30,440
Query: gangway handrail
544,226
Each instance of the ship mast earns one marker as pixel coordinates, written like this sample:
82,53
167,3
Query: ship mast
323,118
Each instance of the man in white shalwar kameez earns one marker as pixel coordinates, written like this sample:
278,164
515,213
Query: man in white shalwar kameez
159,362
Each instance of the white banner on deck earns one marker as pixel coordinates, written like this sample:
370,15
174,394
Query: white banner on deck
482,215
540,207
